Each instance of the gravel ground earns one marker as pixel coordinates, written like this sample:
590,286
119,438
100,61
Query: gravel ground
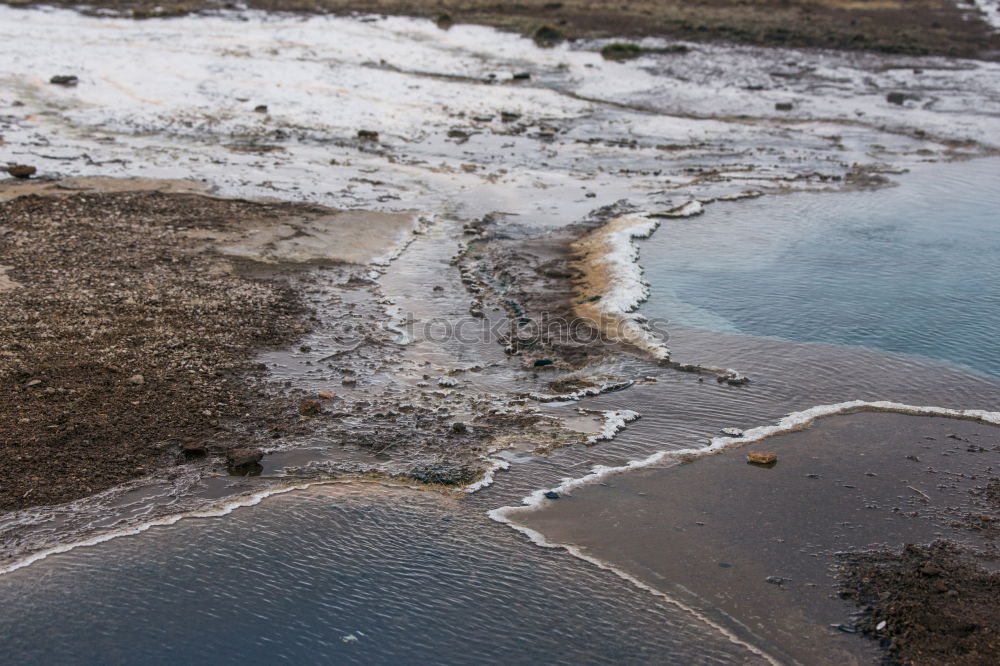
123,337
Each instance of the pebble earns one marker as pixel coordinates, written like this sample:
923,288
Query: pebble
64,80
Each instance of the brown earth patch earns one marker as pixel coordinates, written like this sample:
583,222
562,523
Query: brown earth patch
124,338
935,27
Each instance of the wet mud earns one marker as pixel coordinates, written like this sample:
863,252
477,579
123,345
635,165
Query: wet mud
766,549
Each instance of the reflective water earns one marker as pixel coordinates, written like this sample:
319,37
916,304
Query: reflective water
339,574
911,269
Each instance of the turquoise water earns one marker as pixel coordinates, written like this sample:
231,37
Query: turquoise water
913,269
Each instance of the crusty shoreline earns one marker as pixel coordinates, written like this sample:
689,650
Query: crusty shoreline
914,27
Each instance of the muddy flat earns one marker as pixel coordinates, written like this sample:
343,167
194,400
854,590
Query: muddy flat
756,546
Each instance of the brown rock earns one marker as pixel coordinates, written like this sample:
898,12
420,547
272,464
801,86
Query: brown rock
762,458
243,457
326,395
21,171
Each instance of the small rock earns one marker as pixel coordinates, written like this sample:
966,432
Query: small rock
243,457
446,382
509,116
459,428
68,80
783,106
881,625
732,432
777,580
896,98
260,108
762,458
542,362
521,76
309,407
326,395
368,135
33,382
551,494
21,171
138,380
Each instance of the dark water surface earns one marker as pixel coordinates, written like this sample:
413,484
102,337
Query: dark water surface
339,574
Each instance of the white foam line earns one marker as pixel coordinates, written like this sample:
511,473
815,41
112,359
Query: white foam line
539,539
496,464
606,387
689,209
614,422
613,247
627,288
212,512
791,423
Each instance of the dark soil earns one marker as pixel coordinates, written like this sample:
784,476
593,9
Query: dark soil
125,339
937,27
938,604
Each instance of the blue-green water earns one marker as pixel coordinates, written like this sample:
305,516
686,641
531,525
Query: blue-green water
913,269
